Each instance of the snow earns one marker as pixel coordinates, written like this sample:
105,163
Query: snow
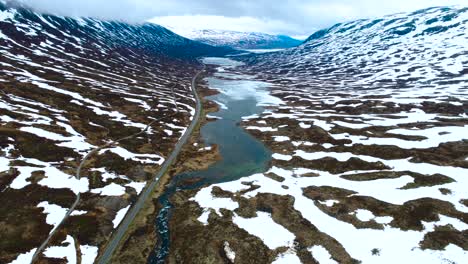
142,103
67,252
206,148
204,217
168,132
54,213
383,219
206,200
138,186
281,138
106,175
395,244
57,180
25,257
42,83
262,129
110,190
364,215
230,254
329,203
6,14
144,158
120,216
54,178
321,255
213,117
323,124
282,157
76,141
78,212
43,133
327,145
433,137
88,254
236,39
303,125
287,258
263,227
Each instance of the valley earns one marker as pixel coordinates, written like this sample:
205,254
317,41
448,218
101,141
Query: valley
364,168
126,143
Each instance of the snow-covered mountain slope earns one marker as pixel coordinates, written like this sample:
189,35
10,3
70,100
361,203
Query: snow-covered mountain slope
424,48
67,87
242,40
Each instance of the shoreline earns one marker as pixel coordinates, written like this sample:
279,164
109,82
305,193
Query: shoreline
141,236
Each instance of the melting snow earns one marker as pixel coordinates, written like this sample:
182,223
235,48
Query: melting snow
120,216
263,226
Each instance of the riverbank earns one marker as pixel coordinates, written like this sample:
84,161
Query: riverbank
381,165
358,163
141,236
239,96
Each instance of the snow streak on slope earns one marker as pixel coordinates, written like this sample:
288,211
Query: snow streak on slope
68,86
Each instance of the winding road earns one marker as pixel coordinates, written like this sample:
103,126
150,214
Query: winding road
135,209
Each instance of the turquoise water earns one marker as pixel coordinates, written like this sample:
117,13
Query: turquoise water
242,155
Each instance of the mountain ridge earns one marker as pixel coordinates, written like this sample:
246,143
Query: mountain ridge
242,40
68,87
413,48
142,35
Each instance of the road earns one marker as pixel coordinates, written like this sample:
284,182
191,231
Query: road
78,176
74,205
135,209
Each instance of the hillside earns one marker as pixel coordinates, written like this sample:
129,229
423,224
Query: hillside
70,86
369,142
420,48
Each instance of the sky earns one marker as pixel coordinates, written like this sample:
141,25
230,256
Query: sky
298,18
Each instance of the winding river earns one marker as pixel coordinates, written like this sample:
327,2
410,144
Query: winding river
242,155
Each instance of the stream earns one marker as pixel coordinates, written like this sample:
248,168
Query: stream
242,155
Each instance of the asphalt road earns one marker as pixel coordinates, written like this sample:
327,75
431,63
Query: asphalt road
135,209
78,176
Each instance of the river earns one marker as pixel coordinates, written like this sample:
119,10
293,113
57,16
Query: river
242,155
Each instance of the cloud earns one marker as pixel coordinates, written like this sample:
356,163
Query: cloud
185,24
273,16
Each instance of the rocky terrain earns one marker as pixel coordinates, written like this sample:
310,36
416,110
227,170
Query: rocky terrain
89,110
368,134
241,40
370,152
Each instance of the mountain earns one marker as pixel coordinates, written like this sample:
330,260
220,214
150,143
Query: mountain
423,48
148,37
369,148
74,86
242,40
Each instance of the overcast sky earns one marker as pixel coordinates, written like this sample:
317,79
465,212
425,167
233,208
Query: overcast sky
292,17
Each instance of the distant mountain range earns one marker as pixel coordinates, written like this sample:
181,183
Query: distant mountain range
242,40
